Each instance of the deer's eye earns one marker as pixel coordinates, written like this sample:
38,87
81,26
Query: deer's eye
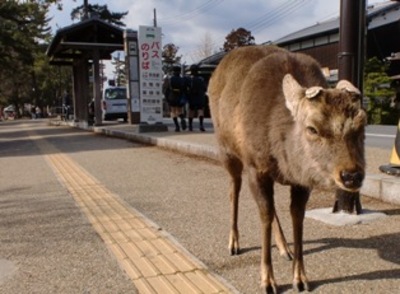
312,131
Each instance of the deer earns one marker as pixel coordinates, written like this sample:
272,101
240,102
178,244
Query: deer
276,119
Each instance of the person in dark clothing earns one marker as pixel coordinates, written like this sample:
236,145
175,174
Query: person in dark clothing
67,105
174,89
33,112
197,98
91,118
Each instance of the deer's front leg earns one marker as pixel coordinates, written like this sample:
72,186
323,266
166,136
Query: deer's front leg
299,198
263,191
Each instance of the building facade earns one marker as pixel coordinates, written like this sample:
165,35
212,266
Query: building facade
321,40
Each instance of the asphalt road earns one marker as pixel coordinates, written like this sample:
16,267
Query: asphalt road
55,250
380,136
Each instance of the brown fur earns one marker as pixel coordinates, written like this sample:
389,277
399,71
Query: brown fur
274,115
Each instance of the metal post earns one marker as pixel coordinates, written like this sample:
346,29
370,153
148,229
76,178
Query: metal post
351,61
351,43
362,41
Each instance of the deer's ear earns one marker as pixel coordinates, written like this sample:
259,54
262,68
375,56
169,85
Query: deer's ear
349,87
293,92
313,92
353,92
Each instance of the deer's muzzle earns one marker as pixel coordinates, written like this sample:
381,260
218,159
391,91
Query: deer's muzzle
351,180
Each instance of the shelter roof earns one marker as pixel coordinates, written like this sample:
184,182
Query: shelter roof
80,39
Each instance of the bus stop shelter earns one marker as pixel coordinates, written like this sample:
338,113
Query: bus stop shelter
83,45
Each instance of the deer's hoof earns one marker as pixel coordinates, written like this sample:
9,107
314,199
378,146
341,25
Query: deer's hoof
234,251
271,289
234,248
301,286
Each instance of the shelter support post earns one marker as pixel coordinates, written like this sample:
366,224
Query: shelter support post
81,91
97,88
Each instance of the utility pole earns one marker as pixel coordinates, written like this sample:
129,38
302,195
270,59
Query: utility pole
155,17
351,62
85,9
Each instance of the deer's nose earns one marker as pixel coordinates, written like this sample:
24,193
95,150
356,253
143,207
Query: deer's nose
351,179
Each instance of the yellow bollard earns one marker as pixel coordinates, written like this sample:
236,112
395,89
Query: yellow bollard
393,168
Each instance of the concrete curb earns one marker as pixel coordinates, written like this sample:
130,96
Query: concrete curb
383,187
184,147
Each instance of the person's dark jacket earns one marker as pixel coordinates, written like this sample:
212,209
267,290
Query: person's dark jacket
197,92
174,90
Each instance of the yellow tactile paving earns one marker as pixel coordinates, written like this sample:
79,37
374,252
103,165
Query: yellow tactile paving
182,283
154,262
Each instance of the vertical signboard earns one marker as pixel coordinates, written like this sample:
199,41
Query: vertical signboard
151,74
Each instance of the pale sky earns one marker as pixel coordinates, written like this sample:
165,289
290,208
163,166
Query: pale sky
186,22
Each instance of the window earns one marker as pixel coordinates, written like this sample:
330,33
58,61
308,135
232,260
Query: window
334,38
295,46
321,40
307,44
115,93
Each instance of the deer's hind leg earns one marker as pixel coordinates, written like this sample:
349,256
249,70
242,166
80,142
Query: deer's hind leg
234,166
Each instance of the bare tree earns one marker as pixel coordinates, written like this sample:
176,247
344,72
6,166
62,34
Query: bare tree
206,47
119,70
